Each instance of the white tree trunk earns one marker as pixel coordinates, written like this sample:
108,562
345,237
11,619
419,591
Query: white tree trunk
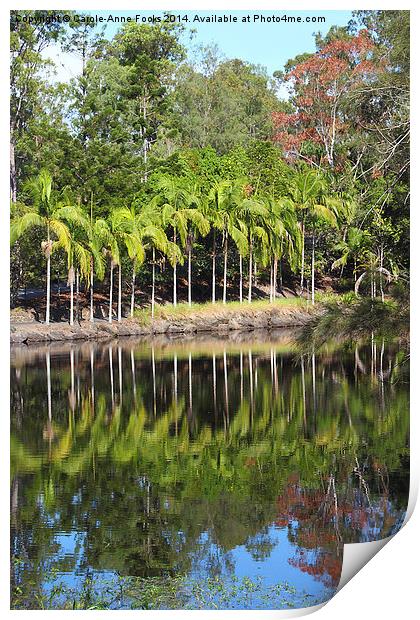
189,276
77,297
302,269
119,293
91,290
47,310
313,270
71,299
133,286
213,288
275,278
111,283
250,272
153,284
174,300
271,282
240,279
225,269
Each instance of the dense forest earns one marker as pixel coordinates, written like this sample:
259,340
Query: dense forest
151,177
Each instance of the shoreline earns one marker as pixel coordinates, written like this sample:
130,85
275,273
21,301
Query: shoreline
216,322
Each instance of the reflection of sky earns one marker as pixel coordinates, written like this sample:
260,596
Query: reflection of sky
274,569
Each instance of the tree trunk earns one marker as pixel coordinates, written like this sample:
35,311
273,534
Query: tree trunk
225,250
47,309
271,282
250,271
213,292
302,269
174,300
381,264
119,293
91,288
110,292
275,267
71,280
77,297
153,284
313,269
133,286
189,276
241,277
13,175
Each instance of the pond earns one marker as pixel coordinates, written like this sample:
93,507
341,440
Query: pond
209,473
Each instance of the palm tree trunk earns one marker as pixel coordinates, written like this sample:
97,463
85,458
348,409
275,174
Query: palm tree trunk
250,271
47,309
153,284
133,286
110,292
225,268
71,278
77,297
271,282
275,266
174,301
302,269
119,293
91,288
189,276
313,269
241,277
213,292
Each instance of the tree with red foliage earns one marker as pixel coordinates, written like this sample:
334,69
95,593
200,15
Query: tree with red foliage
321,86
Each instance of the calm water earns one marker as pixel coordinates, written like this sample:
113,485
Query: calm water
221,474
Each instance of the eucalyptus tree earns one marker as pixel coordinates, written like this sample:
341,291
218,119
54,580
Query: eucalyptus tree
43,212
178,211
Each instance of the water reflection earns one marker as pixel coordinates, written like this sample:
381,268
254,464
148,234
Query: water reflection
204,458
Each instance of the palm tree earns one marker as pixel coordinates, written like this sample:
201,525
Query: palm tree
43,212
179,213
253,214
110,248
309,193
125,234
353,246
77,249
198,225
140,231
223,202
79,256
284,237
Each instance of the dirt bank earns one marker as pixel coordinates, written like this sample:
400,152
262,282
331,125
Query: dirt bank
219,321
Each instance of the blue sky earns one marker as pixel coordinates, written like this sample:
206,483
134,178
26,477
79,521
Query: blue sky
267,44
